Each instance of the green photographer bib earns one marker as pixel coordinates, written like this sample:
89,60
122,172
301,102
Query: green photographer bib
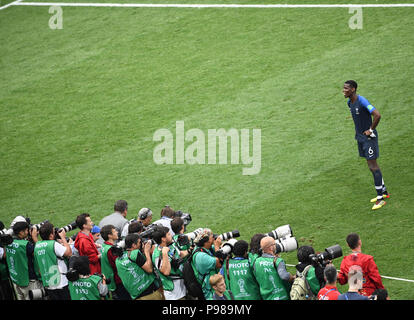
85,288
134,278
45,257
240,280
107,270
17,262
271,286
167,281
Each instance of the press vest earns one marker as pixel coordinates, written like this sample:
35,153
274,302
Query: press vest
17,262
167,282
45,257
240,280
271,286
134,278
107,270
85,288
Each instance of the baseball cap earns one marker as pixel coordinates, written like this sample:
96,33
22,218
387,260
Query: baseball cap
96,229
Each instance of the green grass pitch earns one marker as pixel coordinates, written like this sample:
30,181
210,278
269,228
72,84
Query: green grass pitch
79,107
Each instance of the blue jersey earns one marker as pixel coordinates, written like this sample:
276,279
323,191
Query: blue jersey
361,114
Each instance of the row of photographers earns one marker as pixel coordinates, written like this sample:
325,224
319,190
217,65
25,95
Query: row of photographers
157,261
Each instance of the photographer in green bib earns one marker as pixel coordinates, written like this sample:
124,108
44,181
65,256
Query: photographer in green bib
166,259
181,240
110,235
204,261
82,284
314,276
270,272
238,274
136,270
20,260
49,255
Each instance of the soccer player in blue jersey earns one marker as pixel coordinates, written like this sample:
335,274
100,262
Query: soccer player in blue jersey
366,118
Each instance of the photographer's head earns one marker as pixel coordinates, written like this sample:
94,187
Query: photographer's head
21,229
135,227
121,206
145,216
354,241
268,245
162,236
255,243
204,239
47,231
132,241
84,222
240,249
177,225
81,265
109,233
168,212
303,254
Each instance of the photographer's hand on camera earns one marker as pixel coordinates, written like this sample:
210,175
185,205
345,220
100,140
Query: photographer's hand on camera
217,244
34,234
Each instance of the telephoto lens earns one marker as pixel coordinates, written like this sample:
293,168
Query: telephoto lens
193,235
281,232
69,227
38,225
228,235
287,244
226,249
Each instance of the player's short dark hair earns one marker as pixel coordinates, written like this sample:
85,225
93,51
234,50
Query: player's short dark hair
352,240
330,274
352,83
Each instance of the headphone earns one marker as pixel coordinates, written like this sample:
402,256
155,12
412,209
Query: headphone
145,214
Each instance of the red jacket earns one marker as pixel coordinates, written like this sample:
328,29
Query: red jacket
86,247
372,279
328,293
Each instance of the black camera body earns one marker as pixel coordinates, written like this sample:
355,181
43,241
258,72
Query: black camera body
185,216
325,257
66,228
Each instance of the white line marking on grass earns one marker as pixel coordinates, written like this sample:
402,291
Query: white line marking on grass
10,4
385,277
166,5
